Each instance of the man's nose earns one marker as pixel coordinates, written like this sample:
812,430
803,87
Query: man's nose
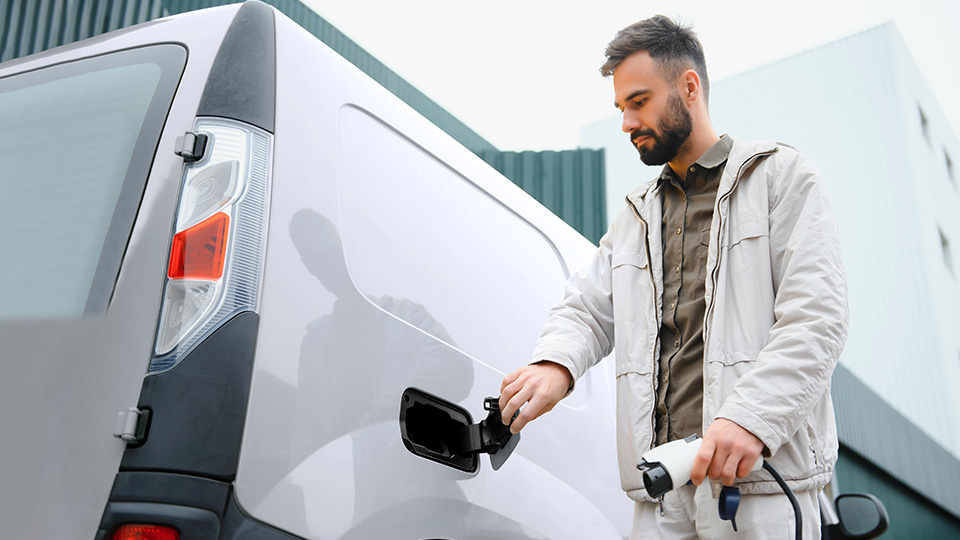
630,122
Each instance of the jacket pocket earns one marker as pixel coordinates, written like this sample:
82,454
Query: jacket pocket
634,314
635,401
637,259
742,357
745,231
632,287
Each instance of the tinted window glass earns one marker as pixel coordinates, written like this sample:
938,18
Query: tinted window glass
416,233
76,144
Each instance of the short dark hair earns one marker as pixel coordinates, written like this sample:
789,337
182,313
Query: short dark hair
674,47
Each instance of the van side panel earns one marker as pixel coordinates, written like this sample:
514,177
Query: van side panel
322,455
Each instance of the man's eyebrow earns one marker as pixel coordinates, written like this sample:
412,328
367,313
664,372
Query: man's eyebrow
634,95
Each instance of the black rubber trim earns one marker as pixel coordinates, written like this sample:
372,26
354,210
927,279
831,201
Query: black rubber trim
199,508
191,523
199,407
243,83
170,488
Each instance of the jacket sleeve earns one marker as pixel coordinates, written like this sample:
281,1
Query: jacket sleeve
793,370
579,330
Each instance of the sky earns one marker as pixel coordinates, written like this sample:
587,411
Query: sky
524,74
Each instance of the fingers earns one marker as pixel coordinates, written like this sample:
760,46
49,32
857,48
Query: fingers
728,472
509,379
515,397
539,386
715,462
532,411
506,393
732,452
702,461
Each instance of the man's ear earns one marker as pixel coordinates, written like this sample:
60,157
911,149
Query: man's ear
690,88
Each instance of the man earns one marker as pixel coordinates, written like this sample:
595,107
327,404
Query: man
723,284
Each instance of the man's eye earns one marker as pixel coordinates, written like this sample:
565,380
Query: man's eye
639,102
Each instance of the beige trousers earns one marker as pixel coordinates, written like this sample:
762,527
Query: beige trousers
691,512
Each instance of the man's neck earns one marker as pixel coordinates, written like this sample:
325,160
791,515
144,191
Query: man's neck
695,146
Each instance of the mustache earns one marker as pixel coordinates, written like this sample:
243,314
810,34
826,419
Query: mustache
642,133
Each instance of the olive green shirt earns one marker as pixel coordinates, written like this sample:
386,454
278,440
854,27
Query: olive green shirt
687,212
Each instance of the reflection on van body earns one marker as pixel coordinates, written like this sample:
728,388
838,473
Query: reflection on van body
393,259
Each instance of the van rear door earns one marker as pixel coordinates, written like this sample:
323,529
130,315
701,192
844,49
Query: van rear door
81,269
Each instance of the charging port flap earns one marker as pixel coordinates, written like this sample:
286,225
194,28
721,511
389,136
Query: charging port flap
434,429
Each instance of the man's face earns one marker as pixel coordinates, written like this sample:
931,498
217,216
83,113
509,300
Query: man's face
654,115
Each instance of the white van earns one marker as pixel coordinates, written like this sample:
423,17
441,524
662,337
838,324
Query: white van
229,247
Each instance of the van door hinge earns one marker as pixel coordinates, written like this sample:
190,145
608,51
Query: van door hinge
132,425
190,146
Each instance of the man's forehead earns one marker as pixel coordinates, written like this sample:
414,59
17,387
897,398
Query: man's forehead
639,68
637,74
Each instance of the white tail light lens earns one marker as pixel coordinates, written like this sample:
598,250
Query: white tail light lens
216,256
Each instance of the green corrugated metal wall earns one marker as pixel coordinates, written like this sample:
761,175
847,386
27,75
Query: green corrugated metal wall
885,454
874,430
912,516
564,181
35,25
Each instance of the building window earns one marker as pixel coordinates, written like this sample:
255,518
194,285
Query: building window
924,124
945,245
950,175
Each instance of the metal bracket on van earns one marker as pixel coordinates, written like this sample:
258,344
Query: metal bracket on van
132,425
190,146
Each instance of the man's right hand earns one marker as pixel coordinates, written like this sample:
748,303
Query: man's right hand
541,386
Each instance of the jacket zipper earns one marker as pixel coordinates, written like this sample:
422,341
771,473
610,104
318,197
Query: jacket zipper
657,314
716,267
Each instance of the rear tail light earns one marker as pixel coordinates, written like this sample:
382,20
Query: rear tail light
216,256
145,532
199,251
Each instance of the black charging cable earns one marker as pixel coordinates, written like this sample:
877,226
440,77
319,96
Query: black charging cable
793,499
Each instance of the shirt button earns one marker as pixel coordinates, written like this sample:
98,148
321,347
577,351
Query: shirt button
679,230
678,268
676,343
672,305
693,169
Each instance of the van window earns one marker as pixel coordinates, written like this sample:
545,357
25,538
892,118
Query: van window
417,233
76,143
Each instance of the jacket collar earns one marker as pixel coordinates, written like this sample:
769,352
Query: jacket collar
741,154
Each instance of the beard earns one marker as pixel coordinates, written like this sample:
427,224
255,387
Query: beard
674,132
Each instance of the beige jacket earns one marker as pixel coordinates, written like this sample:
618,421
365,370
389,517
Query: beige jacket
775,323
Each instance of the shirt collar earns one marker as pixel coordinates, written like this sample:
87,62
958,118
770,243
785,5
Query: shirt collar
714,157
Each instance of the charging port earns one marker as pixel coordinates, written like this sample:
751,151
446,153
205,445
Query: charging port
433,428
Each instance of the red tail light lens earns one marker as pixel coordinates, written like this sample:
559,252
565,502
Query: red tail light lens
198,252
145,532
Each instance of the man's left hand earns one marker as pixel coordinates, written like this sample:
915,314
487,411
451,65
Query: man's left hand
728,452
